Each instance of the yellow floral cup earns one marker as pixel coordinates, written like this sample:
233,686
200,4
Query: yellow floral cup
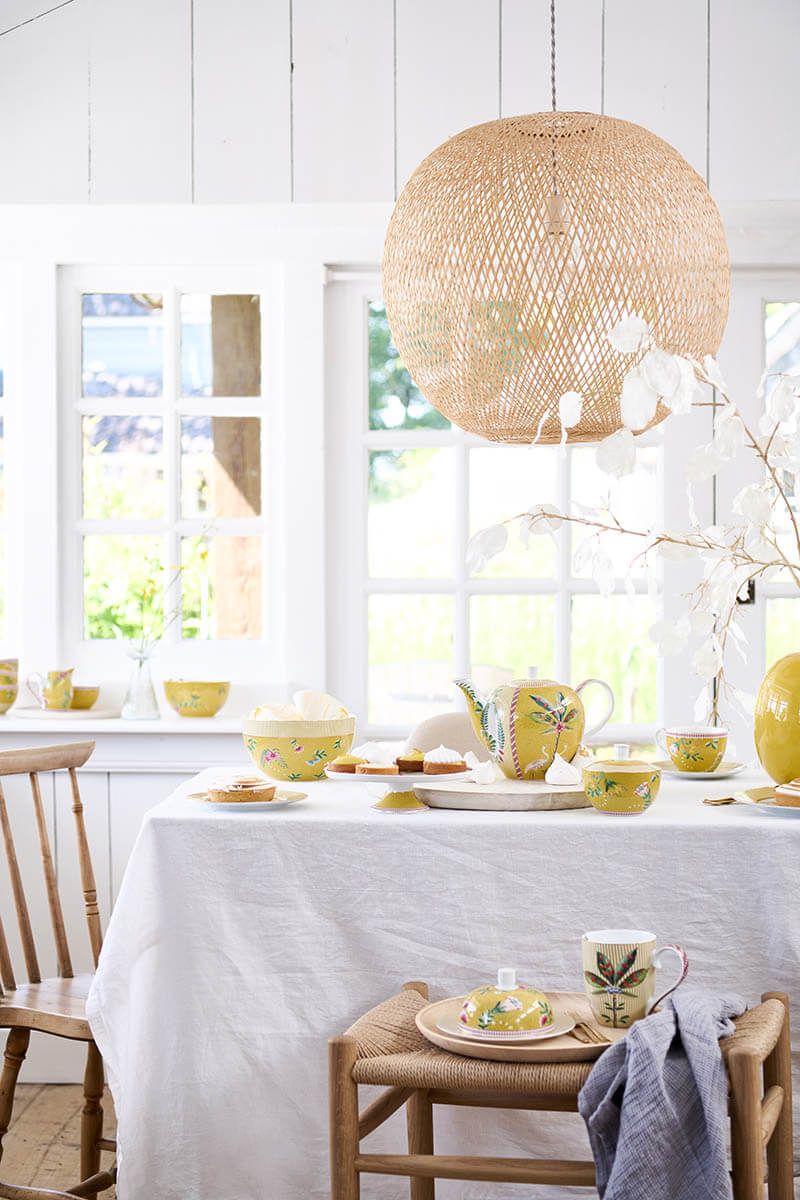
196,698
621,786
84,695
698,749
52,691
9,673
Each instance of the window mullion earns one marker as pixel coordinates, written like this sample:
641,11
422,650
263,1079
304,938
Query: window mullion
461,638
563,605
172,458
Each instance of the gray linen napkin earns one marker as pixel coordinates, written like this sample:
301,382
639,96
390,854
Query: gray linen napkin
656,1104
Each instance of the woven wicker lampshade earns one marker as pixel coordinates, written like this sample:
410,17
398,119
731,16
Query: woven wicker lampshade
517,245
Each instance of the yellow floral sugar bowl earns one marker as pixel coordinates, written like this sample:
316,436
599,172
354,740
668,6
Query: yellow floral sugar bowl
195,699
621,786
297,750
506,1008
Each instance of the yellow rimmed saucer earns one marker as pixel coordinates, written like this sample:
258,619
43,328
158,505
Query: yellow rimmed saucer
725,769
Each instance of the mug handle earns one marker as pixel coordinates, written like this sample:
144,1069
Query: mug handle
679,951
661,740
610,696
35,685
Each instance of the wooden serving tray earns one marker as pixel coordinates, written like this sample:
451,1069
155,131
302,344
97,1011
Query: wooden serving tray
505,795
557,1049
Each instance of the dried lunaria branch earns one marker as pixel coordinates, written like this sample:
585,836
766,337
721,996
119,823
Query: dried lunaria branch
761,541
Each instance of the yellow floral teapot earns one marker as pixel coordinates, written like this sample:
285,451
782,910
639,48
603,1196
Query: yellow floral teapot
526,722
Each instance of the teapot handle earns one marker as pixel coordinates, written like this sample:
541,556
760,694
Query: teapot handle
610,696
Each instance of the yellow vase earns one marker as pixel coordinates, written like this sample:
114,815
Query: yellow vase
777,720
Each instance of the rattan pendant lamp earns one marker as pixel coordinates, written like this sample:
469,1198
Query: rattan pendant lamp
518,244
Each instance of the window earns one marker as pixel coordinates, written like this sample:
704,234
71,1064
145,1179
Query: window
415,619
165,407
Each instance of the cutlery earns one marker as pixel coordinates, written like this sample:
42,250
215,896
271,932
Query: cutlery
587,1033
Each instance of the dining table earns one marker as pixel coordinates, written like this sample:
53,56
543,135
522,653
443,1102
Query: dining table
242,940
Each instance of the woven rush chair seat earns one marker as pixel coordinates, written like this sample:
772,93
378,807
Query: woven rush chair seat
385,1048
392,1052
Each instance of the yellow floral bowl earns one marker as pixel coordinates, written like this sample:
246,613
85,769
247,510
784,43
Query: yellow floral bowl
8,694
621,786
297,750
84,695
195,699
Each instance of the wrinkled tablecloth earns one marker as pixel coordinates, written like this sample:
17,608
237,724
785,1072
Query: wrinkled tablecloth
241,940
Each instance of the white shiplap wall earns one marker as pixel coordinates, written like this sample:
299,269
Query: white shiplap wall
337,100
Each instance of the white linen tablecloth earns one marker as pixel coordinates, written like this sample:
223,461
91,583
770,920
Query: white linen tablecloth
240,941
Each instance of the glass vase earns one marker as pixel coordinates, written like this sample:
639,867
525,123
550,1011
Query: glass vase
140,702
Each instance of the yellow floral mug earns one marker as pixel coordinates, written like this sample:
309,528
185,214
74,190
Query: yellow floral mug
619,967
691,750
52,691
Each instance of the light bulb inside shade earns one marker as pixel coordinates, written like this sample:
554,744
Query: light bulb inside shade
561,248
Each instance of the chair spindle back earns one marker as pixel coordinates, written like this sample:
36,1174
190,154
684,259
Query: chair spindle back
66,757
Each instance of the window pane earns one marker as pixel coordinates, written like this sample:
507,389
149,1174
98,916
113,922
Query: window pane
410,658
3,584
782,339
610,642
508,636
411,496
122,345
220,345
504,481
634,499
123,467
123,583
783,628
394,401
2,466
221,587
220,466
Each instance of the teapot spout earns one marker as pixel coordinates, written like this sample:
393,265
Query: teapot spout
476,708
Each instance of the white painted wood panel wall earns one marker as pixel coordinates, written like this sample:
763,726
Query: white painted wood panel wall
337,100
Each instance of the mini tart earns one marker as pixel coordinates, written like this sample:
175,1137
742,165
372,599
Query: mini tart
346,763
367,768
412,760
443,768
242,791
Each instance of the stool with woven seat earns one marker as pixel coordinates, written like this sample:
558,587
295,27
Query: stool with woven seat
385,1048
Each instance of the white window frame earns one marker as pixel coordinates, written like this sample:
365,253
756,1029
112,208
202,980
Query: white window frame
100,656
350,441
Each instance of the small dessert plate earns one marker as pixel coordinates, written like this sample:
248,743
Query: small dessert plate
282,800
723,771
766,800
562,1024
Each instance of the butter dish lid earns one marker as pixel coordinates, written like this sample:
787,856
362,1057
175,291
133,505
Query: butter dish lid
507,1006
621,761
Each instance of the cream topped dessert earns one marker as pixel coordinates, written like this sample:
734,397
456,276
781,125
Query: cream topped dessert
443,761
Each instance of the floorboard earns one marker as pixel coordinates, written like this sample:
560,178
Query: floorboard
42,1146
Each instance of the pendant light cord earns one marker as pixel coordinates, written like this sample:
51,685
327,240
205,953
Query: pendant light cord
553,89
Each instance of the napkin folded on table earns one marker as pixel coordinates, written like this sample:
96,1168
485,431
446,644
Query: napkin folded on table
307,705
656,1104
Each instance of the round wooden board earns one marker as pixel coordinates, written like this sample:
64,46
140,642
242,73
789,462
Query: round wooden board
557,1049
506,795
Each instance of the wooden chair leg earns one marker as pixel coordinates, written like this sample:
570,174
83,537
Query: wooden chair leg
92,1114
14,1057
780,1149
419,1121
747,1152
343,1114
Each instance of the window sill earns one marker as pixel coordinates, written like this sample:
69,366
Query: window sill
88,724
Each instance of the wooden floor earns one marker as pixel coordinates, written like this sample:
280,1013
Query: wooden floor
42,1144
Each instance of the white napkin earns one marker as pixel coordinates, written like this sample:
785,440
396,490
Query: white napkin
318,706
375,752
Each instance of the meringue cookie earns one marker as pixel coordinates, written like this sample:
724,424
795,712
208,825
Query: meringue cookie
562,774
443,755
482,772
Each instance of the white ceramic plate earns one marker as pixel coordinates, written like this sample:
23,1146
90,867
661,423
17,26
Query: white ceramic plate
408,777
723,771
282,800
453,1027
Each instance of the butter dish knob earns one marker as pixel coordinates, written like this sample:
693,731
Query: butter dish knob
507,978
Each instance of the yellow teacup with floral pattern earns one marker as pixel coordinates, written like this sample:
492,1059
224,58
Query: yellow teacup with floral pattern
52,691
694,749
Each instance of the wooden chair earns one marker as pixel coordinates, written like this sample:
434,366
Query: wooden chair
57,1005
385,1048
